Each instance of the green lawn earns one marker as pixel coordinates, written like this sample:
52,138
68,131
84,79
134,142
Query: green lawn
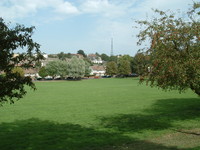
101,114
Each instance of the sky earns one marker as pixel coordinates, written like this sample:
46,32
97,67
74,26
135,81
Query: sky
70,25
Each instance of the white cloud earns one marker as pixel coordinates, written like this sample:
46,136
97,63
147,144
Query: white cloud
66,8
144,7
102,7
95,6
13,9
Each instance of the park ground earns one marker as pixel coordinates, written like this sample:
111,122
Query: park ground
101,114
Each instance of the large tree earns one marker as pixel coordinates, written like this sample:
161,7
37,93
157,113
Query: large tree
111,68
62,69
57,68
105,57
140,63
52,68
14,38
76,68
174,49
87,69
43,72
124,68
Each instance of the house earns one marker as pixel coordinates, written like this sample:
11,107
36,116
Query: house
97,70
95,59
47,60
31,72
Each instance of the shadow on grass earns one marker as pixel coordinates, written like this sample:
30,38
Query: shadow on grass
34,134
196,148
160,116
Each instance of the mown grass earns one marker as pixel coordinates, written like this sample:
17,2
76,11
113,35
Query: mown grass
101,114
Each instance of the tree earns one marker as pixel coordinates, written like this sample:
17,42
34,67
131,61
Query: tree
52,68
76,68
97,54
18,70
140,64
174,50
87,69
81,52
62,69
68,55
57,68
12,38
124,68
88,61
124,65
126,57
38,64
105,57
42,72
61,56
111,68
113,58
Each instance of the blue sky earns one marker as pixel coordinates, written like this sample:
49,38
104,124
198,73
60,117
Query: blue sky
70,25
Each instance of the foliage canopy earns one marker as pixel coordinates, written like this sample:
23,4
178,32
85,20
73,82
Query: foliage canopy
111,68
174,50
124,67
42,72
74,68
12,39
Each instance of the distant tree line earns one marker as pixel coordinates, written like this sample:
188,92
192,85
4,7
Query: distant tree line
121,65
126,65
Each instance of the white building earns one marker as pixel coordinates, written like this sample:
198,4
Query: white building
95,59
97,70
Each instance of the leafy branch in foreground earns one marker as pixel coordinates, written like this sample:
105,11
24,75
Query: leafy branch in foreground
11,39
174,50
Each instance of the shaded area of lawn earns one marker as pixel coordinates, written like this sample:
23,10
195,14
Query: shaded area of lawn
160,116
35,134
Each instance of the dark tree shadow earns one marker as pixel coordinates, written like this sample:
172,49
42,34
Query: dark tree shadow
196,148
34,134
160,116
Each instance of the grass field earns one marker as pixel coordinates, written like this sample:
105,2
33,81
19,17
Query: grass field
101,114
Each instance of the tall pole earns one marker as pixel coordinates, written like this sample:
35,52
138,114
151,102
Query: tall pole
111,47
